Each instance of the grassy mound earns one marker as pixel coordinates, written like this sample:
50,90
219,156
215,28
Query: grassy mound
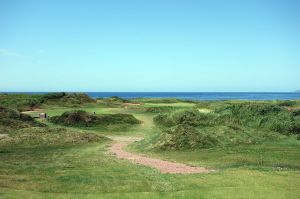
159,109
83,118
230,125
46,136
189,117
186,137
266,116
116,99
23,102
11,119
112,102
67,99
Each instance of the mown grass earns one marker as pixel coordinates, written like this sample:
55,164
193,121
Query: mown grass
83,169
87,172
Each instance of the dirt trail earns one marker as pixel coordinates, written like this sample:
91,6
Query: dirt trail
33,111
163,166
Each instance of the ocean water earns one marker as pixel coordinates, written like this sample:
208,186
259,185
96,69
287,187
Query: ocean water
201,95
197,95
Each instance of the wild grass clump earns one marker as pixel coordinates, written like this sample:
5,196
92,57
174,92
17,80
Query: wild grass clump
112,102
84,119
67,99
266,116
287,103
24,102
113,99
21,102
11,119
296,112
188,117
159,109
185,137
229,125
117,99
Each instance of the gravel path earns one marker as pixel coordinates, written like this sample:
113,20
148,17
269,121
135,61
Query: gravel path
163,166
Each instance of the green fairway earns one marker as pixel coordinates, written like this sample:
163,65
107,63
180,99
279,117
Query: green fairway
79,166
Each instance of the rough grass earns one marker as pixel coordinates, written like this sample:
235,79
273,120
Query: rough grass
23,102
159,109
67,99
230,124
11,119
82,118
20,102
114,99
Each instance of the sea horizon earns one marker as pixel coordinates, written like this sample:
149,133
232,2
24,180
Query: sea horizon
189,95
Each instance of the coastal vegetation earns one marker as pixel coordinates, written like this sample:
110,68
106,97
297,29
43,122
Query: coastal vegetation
23,102
83,118
11,119
253,147
232,124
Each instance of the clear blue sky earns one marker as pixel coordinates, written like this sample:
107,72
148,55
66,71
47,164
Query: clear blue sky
153,45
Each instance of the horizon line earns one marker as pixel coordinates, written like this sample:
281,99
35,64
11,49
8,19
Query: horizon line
297,91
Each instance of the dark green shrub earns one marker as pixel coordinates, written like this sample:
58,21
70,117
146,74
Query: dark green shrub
296,126
191,118
159,109
296,112
287,103
83,118
20,102
67,98
186,137
49,96
118,99
11,119
164,119
258,115
232,124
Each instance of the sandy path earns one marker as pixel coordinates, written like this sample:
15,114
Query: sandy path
163,166
4,136
33,111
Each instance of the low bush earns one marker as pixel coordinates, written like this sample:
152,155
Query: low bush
237,123
67,99
11,119
189,117
296,112
267,116
24,102
287,103
83,118
21,102
117,99
159,109
185,137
